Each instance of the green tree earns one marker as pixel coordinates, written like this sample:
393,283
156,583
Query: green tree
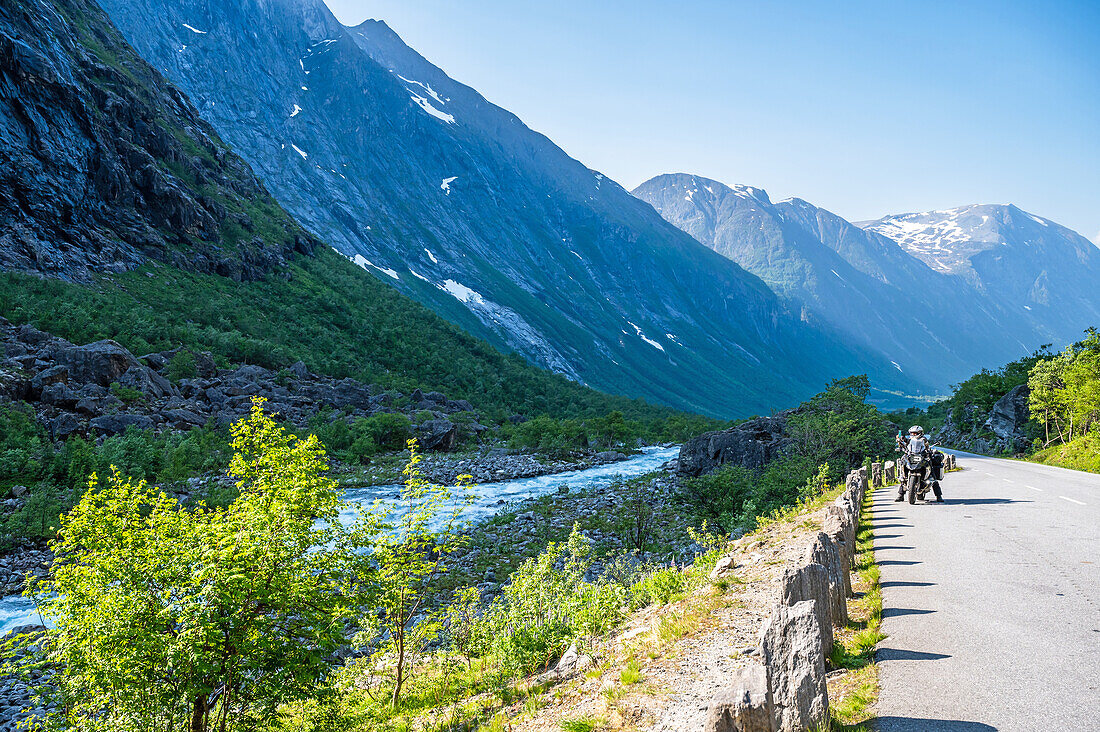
407,556
182,366
199,619
1047,399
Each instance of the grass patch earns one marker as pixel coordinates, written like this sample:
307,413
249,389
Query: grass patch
584,723
853,694
632,674
1080,454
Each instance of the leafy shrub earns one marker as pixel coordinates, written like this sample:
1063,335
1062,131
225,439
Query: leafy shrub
127,394
658,587
547,605
25,448
182,366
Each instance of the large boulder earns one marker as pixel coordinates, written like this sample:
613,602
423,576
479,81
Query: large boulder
795,661
100,363
113,424
437,434
745,705
1008,418
750,444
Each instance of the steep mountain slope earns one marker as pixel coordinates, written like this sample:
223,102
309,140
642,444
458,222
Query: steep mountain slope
454,201
124,216
935,328
1043,273
103,164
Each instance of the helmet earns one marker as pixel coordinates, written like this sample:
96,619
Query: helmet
916,430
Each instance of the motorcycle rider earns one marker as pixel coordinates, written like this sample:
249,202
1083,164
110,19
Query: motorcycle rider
916,443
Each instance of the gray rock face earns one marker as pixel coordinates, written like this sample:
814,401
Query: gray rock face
824,551
547,257
811,582
438,434
793,654
1008,417
744,706
90,159
113,424
751,445
841,531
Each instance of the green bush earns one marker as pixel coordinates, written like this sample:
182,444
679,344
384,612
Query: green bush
126,394
658,587
547,605
182,366
25,448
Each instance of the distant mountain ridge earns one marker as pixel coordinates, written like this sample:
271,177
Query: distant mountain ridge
454,201
953,292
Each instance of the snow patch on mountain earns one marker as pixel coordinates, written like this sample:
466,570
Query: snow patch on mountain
300,151
461,292
510,325
430,255
437,113
426,87
446,184
295,111
193,29
642,335
364,263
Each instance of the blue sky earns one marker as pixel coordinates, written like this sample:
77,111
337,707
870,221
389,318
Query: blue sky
864,108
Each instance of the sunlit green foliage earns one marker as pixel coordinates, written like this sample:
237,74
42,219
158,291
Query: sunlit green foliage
406,557
831,433
205,618
1065,391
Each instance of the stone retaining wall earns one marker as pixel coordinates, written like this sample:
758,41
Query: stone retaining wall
787,692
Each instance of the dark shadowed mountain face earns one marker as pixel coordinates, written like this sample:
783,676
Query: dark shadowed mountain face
924,304
453,200
104,164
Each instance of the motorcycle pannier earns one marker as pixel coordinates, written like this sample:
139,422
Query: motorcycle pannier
937,465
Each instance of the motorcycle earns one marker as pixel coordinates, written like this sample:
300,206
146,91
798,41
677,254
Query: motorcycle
920,472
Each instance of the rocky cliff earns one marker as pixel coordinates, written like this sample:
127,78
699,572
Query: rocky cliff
104,164
1005,429
101,389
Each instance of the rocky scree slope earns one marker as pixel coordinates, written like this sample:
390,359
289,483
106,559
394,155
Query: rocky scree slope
103,164
70,389
453,200
937,327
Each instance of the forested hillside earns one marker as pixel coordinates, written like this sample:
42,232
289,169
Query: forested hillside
1045,406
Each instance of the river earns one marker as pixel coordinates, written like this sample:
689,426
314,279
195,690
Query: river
16,610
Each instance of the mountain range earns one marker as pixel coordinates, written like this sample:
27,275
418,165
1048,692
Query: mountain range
690,293
940,294
457,203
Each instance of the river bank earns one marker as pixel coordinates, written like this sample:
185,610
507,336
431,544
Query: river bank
503,497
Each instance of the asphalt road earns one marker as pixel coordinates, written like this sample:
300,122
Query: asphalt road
991,602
